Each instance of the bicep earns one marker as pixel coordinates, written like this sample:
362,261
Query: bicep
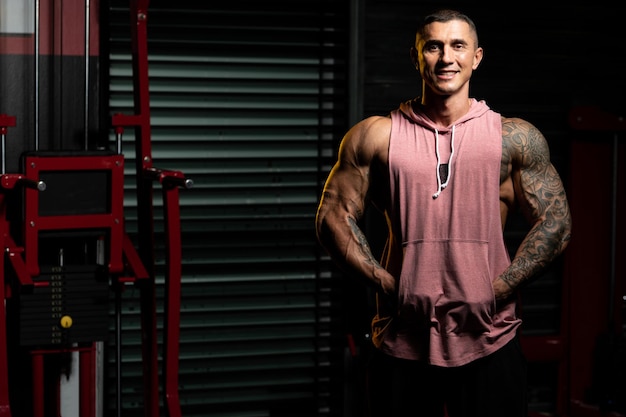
538,186
348,184
342,205
345,190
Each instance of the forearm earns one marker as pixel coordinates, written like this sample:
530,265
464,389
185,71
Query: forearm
347,245
544,242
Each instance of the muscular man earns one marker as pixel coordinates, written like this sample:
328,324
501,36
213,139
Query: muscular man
446,170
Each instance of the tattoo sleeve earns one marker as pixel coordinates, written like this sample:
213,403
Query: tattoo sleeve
541,195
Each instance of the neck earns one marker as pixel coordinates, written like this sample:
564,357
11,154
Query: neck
445,110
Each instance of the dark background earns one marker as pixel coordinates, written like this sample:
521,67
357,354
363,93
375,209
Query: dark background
262,330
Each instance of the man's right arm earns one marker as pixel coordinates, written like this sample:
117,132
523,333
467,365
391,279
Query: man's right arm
344,198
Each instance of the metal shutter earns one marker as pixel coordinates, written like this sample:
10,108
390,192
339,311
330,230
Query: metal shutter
245,101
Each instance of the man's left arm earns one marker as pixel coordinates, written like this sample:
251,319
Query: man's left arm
540,193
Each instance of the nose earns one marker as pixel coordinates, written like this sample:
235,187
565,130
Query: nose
446,54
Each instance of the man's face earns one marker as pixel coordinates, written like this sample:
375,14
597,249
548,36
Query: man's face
446,56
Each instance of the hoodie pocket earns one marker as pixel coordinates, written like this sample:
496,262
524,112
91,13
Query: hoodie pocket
447,283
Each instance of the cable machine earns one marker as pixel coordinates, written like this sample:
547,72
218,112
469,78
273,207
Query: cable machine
598,328
66,249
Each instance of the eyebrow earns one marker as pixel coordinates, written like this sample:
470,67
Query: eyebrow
459,41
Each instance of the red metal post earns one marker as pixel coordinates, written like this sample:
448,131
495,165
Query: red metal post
170,180
5,407
172,290
141,122
38,385
87,360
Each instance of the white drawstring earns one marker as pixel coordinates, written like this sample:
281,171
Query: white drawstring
440,186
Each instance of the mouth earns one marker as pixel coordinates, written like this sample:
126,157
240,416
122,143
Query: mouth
446,75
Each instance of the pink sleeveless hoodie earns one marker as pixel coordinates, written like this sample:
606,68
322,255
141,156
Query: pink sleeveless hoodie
446,243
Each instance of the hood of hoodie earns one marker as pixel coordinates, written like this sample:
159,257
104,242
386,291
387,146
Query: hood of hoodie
477,108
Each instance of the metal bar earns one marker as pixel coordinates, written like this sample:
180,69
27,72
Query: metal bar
38,384
172,299
613,234
143,159
5,408
87,381
3,137
119,131
132,258
37,35
87,39
14,255
118,286
5,122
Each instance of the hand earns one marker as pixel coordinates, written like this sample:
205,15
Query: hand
386,282
388,300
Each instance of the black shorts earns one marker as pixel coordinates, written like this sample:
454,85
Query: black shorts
493,386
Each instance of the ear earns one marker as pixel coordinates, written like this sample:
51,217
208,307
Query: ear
414,59
478,57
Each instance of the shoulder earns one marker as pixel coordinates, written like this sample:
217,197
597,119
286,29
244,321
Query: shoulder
516,129
369,137
515,126
375,127
523,141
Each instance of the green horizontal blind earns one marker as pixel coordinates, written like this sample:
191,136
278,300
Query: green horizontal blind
245,101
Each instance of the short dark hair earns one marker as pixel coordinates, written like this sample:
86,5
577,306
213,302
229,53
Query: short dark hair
446,15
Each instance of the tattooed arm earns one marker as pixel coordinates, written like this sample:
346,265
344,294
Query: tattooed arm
536,187
362,152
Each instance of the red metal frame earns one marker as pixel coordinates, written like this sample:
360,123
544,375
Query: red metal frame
87,377
5,407
140,121
123,258
112,220
170,180
23,260
7,182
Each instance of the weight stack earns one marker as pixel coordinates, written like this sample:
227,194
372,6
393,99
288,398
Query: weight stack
68,305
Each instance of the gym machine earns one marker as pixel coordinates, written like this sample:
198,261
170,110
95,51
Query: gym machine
597,284
66,250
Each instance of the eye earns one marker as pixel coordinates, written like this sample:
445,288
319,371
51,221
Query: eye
459,45
433,47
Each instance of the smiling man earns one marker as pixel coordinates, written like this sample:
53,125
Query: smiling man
445,170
